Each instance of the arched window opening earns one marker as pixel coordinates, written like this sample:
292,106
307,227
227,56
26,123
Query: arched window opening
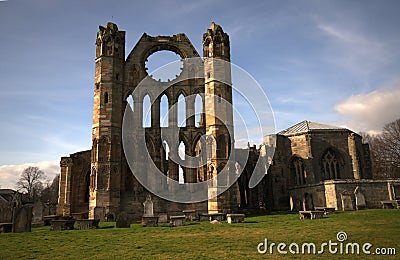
181,153
164,111
166,149
165,156
331,165
130,102
87,185
105,97
198,107
181,111
181,150
298,171
181,175
146,111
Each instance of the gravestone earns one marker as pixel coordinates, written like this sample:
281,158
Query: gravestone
396,189
148,207
360,199
22,218
162,218
122,220
347,202
38,212
148,219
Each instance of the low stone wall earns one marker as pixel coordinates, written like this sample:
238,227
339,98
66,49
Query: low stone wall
374,191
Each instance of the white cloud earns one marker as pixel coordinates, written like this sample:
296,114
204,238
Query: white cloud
370,112
9,174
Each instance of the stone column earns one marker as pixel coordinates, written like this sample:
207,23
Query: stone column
172,113
354,156
155,113
190,121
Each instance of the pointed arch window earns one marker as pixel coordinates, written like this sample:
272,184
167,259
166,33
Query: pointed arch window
131,102
198,107
181,111
331,165
164,111
298,171
146,111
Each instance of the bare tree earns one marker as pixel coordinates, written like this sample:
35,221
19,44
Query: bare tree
385,151
30,182
50,192
389,148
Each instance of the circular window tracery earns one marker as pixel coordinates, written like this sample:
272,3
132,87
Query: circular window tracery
156,69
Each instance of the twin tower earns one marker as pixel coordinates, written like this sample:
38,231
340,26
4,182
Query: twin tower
100,181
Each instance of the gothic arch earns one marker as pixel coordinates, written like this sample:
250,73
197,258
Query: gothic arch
164,115
332,164
297,171
147,111
147,45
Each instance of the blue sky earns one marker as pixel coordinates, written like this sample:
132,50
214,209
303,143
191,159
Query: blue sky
335,62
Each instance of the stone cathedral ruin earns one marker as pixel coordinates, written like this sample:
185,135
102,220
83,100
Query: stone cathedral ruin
314,164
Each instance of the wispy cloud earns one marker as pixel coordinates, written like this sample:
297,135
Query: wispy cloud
355,51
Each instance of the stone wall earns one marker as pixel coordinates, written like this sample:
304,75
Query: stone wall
374,191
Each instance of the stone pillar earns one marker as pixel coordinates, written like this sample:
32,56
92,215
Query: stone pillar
62,185
155,113
354,156
190,121
68,179
172,113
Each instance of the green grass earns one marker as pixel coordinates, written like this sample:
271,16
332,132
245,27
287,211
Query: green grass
204,240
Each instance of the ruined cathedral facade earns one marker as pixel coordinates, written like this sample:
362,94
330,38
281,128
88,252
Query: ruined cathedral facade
99,181
313,164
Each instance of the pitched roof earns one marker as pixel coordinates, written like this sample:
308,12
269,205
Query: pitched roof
307,126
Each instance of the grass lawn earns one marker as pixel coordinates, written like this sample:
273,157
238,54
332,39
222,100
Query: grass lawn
203,240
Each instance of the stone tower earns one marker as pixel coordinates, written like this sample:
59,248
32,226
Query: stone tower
219,115
106,155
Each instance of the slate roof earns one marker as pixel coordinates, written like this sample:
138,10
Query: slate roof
307,126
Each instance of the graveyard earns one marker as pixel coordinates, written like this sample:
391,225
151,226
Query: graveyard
201,240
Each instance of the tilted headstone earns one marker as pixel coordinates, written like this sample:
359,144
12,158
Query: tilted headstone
347,202
360,199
